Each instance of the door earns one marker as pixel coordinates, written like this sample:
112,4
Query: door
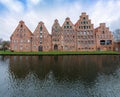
40,48
55,47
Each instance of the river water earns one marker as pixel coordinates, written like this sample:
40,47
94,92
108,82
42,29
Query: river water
60,76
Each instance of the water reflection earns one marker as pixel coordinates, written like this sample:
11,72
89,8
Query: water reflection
63,67
60,76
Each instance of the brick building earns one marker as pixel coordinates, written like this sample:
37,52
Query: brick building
20,40
57,39
81,36
104,38
69,35
41,40
85,34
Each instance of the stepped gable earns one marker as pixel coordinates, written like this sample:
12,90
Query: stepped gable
104,38
69,35
85,34
57,36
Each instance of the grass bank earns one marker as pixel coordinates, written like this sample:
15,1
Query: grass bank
60,53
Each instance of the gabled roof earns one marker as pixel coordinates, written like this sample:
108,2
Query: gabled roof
22,25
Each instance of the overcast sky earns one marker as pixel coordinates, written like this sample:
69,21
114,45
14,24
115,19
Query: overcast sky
34,11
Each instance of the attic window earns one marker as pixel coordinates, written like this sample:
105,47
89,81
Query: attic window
84,18
40,28
67,23
21,26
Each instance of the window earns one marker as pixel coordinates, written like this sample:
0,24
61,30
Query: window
84,33
21,47
40,31
40,42
67,23
108,42
28,40
84,18
84,22
15,47
20,35
103,32
102,42
64,27
21,26
81,27
40,28
84,27
67,26
40,36
21,41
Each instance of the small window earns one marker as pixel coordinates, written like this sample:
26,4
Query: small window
103,32
67,23
40,28
28,41
21,26
84,27
84,18
67,26
40,42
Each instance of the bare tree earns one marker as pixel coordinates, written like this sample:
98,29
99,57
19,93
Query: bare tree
117,35
5,45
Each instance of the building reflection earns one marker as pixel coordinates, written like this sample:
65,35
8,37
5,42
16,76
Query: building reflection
85,67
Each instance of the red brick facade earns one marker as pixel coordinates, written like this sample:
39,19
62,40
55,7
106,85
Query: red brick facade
41,39
85,34
104,38
21,39
57,39
69,37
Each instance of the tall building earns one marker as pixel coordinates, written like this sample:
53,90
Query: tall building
69,35
41,38
85,34
20,40
81,36
57,39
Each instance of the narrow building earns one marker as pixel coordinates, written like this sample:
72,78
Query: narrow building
41,39
20,40
104,38
57,42
69,35
85,34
